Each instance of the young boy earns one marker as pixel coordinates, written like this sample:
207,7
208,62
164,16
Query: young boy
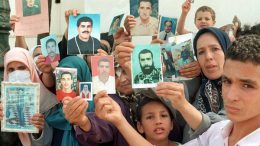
204,17
155,119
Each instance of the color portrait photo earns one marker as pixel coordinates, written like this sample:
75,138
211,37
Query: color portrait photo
146,15
85,90
66,82
103,74
167,27
146,66
84,34
50,49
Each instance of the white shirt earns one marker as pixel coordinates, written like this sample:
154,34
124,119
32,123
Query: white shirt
163,33
218,133
109,86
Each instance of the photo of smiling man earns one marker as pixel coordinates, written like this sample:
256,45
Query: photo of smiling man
84,34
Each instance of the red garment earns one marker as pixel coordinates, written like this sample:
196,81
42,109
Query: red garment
60,94
48,59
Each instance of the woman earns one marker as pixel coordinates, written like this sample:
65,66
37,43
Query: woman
62,130
18,61
210,46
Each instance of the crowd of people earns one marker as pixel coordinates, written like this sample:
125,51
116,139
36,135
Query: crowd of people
217,107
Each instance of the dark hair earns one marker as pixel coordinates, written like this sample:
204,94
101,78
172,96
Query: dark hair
206,9
245,49
66,73
247,30
103,60
221,36
167,21
145,1
146,100
144,51
84,19
50,40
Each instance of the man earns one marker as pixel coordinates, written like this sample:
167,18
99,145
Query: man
145,23
83,43
66,81
51,50
103,81
241,95
149,73
164,35
168,62
31,7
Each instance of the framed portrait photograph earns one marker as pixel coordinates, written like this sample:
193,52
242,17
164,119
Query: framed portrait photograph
85,90
50,49
103,74
146,66
31,7
115,24
66,82
84,34
167,27
182,54
20,102
146,16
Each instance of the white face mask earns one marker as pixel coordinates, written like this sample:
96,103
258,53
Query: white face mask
19,76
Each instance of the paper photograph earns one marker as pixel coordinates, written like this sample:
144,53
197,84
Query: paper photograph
50,49
85,89
84,34
146,16
167,28
20,103
146,66
66,82
115,24
103,74
31,13
182,54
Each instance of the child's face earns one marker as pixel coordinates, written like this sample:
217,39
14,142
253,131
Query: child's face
204,20
155,122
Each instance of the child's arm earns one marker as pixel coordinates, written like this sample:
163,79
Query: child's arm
185,10
107,109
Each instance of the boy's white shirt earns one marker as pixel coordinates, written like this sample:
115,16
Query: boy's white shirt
218,134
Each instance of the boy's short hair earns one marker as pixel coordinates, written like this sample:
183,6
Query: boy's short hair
206,9
245,49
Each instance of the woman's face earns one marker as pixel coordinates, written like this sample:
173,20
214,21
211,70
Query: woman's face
15,65
210,56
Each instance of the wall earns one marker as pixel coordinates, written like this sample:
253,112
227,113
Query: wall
246,10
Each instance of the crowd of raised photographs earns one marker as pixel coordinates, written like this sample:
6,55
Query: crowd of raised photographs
217,107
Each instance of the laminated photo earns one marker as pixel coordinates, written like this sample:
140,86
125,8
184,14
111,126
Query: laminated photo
20,102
